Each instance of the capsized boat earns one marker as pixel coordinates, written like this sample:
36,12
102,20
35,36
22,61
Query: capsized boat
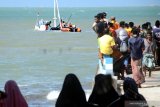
44,25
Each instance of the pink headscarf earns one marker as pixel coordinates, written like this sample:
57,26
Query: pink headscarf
14,96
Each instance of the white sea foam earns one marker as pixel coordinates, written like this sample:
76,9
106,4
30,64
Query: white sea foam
25,85
53,95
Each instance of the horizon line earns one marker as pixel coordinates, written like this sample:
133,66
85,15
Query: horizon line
77,6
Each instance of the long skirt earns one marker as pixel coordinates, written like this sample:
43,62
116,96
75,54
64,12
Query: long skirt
137,71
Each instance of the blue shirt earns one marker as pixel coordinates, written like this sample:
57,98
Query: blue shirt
156,35
136,44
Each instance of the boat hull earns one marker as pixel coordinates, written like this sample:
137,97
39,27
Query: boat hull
40,28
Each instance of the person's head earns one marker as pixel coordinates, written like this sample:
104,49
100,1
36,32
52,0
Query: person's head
149,26
103,83
126,25
113,19
14,96
131,24
11,86
157,23
72,92
103,92
135,31
101,15
131,90
104,14
97,18
110,24
100,28
71,82
122,23
144,26
130,85
148,23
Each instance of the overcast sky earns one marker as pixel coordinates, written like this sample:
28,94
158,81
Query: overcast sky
77,3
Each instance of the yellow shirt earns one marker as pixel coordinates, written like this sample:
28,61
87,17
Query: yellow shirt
128,31
105,42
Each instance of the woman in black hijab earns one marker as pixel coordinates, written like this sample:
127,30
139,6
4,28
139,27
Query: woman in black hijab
72,94
131,93
131,97
103,93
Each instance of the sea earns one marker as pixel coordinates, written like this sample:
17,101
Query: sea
39,61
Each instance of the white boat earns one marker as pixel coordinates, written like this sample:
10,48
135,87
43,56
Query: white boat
40,25
43,25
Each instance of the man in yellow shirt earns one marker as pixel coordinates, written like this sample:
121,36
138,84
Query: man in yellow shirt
106,44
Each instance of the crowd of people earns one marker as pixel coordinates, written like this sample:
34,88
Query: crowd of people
64,26
138,46
102,95
116,40
73,95
70,26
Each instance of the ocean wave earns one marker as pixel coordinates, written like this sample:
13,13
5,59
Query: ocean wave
25,85
53,95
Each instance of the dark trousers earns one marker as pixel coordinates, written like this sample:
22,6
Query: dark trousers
158,56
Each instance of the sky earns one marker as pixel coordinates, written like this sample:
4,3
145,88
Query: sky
78,3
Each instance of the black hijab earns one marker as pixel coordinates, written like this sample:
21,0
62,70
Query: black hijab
103,92
131,90
72,94
131,95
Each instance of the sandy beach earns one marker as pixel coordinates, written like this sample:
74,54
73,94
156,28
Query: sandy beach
151,88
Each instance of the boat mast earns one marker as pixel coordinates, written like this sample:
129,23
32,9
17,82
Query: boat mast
55,18
56,14
38,19
59,18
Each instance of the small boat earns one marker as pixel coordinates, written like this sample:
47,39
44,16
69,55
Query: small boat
41,25
44,25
